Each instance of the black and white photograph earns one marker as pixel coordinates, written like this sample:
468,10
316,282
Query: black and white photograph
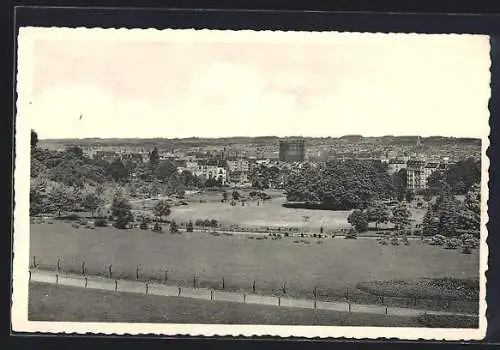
204,182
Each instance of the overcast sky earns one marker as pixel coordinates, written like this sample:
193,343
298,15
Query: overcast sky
235,84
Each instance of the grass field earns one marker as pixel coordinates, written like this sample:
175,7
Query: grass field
333,266
61,303
271,213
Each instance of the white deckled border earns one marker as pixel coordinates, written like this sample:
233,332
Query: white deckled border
21,236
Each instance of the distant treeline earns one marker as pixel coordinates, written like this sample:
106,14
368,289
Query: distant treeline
261,140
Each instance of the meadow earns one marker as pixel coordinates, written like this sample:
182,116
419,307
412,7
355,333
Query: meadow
334,266
270,213
62,303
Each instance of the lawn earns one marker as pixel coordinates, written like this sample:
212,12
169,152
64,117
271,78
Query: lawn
70,304
270,213
334,266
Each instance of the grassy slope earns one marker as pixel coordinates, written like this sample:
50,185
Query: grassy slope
333,266
58,303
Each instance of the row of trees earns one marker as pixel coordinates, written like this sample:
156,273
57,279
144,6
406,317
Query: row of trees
450,217
400,216
338,185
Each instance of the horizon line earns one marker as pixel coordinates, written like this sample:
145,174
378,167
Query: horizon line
254,137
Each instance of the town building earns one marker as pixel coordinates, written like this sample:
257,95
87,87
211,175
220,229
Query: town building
416,179
395,165
292,150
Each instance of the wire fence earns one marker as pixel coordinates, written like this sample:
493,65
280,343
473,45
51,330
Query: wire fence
274,292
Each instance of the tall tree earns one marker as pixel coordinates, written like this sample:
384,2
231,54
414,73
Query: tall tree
165,170
60,198
34,138
92,201
121,210
117,170
161,209
359,220
378,214
430,222
154,158
400,216
447,207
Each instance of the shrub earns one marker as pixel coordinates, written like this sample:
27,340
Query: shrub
466,250
71,217
144,225
351,235
101,222
438,240
452,243
394,241
157,227
75,226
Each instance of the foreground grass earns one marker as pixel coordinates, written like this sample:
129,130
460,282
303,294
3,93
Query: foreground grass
334,267
61,303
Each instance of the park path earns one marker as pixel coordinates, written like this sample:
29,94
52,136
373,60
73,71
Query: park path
94,282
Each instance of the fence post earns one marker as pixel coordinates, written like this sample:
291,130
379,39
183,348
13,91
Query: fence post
223,283
194,282
34,261
386,310
110,270
86,282
244,298
211,295
253,286
137,273
349,307
116,285
284,288
147,288
29,279
58,264
179,292
279,301
57,278
83,268
315,304
165,278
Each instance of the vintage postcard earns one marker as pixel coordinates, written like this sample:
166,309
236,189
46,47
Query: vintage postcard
251,183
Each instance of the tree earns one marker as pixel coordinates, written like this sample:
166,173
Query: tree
430,223
236,195
173,227
154,159
338,185
359,220
121,210
165,170
34,139
447,208
469,214
60,198
91,201
410,196
117,170
161,208
189,226
39,202
427,194
399,183
460,176
400,217
378,214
